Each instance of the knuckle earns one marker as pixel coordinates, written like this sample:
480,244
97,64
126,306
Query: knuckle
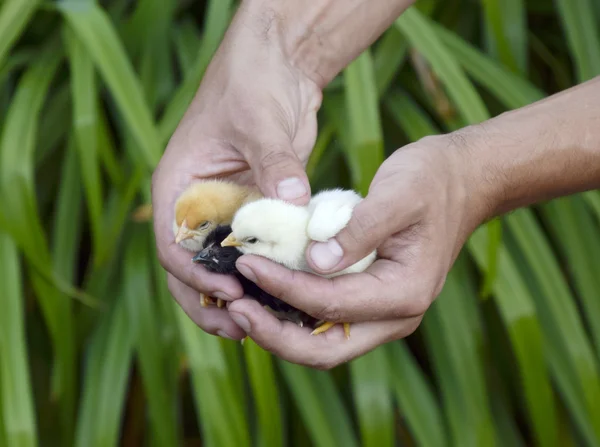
362,227
411,327
274,158
417,306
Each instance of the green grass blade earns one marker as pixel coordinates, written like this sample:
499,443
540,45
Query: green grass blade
583,35
144,325
217,20
14,16
563,328
507,32
65,243
413,120
510,88
518,312
416,398
85,126
106,378
371,382
261,373
365,153
19,419
93,27
186,41
577,236
388,58
454,338
54,124
220,410
153,25
319,405
19,204
417,29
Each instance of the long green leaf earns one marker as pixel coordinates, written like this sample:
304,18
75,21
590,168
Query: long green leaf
107,372
415,398
14,16
583,35
454,339
145,327
220,410
19,419
93,27
319,405
371,382
365,152
506,32
261,373
85,122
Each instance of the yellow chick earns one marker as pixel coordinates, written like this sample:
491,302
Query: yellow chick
202,207
205,205
281,232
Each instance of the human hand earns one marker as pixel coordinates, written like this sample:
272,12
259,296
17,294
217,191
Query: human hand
424,202
418,215
252,121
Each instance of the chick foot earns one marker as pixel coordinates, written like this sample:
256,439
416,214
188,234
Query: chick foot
206,300
328,325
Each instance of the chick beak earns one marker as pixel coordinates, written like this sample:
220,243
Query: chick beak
183,233
202,257
231,241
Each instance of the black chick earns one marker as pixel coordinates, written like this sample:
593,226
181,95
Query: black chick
222,260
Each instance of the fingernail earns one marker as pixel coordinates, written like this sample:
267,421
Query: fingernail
291,188
224,335
222,295
241,321
326,255
247,272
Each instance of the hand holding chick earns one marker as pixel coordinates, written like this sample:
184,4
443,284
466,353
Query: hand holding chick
400,217
281,232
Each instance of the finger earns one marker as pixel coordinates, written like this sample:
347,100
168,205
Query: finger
384,291
373,220
277,170
213,320
324,351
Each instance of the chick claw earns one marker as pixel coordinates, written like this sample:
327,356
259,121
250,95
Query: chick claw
328,325
206,300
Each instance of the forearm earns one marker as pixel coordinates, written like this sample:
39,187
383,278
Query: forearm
546,150
321,37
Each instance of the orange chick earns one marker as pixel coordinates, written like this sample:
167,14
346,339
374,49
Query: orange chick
205,205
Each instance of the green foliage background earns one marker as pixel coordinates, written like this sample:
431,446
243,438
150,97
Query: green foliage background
93,350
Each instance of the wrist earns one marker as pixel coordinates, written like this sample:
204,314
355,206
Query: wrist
321,37
533,154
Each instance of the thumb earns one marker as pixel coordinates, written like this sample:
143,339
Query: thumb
373,220
278,171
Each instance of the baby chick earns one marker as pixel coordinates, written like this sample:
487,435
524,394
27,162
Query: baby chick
219,259
281,231
201,208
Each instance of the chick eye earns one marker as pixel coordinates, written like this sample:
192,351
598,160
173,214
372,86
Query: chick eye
204,224
252,240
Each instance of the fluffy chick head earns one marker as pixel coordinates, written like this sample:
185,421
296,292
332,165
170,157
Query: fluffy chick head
273,229
204,206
